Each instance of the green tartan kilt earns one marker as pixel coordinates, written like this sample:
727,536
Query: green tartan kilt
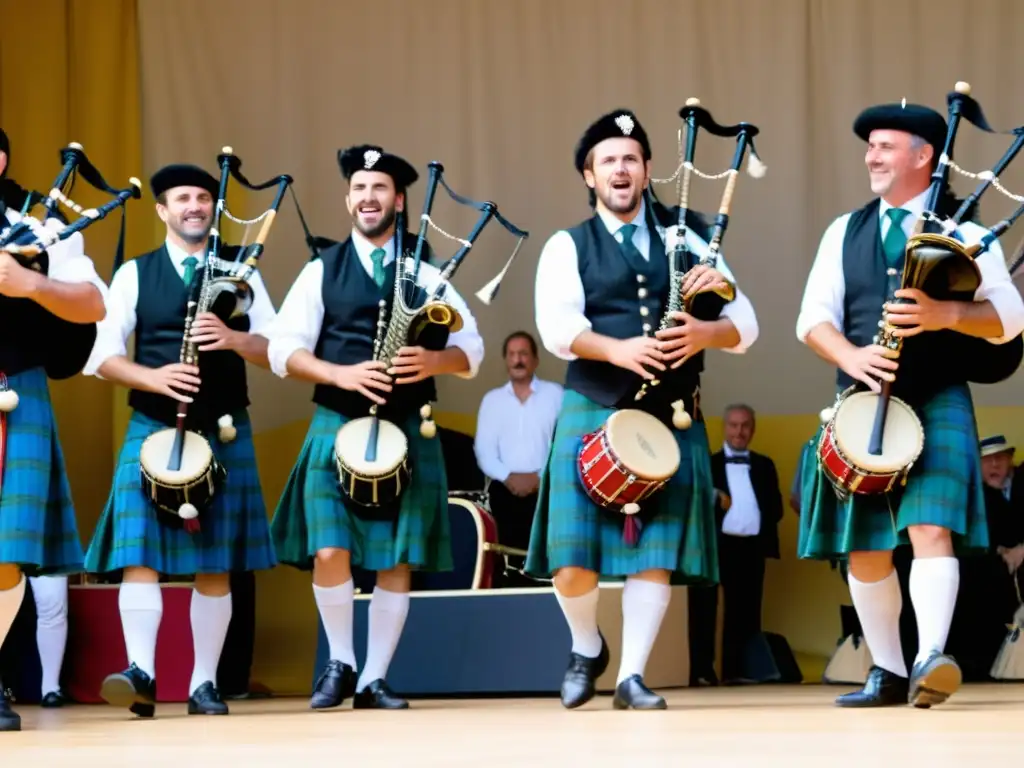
570,530
234,533
312,514
38,531
944,488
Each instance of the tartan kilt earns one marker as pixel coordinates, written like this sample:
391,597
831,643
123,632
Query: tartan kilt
569,530
38,530
944,488
312,515
234,534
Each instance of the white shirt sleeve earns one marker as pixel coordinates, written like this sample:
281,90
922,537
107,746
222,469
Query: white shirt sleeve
113,331
261,313
467,338
485,443
996,284
825,290
297,324
559,299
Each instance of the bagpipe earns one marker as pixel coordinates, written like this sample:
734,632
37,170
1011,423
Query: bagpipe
179,470
65,346
633,454
372,452
871,441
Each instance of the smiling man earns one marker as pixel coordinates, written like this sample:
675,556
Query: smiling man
941,509
601,290
148,297
325,334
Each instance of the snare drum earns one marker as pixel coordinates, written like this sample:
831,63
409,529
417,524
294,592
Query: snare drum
180,495
375,484
843,446
627,459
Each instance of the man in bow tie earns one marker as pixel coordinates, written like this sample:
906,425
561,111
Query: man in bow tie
749,509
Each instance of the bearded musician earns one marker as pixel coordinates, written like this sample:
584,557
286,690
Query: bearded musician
324,334
601,287
942,509
148,297
38,530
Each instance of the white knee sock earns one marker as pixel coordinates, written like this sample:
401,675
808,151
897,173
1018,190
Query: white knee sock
10,604
142,607
878,606
387,619
51,597
210,618
581,615
643,608
934,582
336,606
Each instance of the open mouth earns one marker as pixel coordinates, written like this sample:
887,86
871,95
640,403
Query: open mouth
369,212
195,221
622,185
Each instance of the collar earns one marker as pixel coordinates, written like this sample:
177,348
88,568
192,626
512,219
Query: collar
364,247
179,254
533,385
914,205
731,452
614,224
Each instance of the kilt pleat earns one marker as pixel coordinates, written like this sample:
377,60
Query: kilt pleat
38,530
569,530
944,488
312,515
235,531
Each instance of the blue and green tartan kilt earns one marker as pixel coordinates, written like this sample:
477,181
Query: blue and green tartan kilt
944,488
312,514
38,530
570,530
234,533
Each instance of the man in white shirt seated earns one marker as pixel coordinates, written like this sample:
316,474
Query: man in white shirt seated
514,429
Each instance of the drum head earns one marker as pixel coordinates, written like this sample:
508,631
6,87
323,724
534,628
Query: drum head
196,458
643,445
352,439
901,442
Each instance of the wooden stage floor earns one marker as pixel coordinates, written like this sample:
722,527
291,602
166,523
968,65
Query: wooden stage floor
763,725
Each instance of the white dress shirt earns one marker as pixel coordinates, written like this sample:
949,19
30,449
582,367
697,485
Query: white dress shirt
67,260
119,324
515,436
561,303
301,316
744,515
826,287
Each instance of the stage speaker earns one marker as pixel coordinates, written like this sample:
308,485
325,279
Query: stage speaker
769,659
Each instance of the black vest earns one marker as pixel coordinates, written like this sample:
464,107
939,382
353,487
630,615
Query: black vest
351,310
923,366
611,286
159,329
24,349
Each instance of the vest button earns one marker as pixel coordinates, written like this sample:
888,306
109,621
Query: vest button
640,278
642,293
644,311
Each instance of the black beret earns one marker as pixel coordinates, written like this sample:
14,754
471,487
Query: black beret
911,118
171,176
367,157
621,123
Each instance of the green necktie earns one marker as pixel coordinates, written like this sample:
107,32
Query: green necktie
626,243
895,239
377,257
190,270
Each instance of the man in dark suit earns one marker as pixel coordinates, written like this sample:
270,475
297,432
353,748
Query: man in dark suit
748,512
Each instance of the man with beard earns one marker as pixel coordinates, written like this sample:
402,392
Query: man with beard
38,531
601,288
513,436
148,297
325,333
940,512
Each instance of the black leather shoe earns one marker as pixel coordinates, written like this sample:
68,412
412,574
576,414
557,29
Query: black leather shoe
631,693
934,680
132,688
882,689
336,683
53,700
9,719
377,695
579,683
704,680
207,701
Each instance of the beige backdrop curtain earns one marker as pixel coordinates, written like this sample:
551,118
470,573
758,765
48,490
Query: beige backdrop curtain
500,91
